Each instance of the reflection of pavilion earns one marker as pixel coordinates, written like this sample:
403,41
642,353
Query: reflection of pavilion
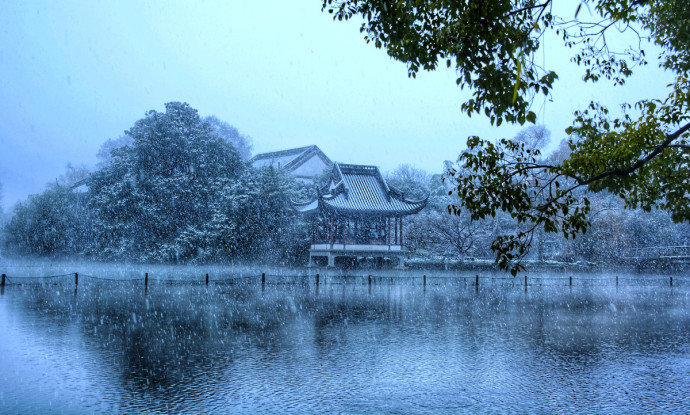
358,215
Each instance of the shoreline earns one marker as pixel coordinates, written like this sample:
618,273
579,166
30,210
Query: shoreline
41,267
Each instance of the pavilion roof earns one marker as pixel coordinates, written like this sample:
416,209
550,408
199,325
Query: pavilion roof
289,159
361,189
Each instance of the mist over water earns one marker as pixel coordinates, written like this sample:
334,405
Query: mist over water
394,347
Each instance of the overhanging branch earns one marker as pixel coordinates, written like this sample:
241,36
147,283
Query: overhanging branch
641,162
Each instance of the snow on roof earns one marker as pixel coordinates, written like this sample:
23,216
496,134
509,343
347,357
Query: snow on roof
288,159
362,189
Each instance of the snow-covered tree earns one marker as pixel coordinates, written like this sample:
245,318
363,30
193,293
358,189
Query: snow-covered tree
161,186
227,132
56,221
105,153
171,189
73,175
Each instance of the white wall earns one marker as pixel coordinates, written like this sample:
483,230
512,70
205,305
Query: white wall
312,167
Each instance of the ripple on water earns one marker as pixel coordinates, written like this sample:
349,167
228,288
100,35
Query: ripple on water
345,349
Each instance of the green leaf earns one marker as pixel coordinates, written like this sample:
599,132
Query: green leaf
517,80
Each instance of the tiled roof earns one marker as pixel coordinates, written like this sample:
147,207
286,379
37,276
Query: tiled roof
293,152
362,189
288,159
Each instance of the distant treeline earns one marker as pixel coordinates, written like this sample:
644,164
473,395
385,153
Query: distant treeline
178,188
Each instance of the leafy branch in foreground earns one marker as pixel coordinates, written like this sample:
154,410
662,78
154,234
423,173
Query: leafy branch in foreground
635,160
509,176
492,46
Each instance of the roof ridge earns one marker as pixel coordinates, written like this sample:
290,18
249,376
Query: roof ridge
289,151
341,180
307,154
361,167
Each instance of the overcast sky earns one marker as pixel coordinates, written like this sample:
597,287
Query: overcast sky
73,74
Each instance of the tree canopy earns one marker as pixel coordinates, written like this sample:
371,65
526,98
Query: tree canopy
171,189
242,143
642,156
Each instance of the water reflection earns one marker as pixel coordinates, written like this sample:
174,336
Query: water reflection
391,347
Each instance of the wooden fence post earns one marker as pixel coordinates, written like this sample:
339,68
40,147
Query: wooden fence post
263,278
476,280
146,279
425,280
571,280
76,279
317,279
671,281
369,279
206,279
2,283
616,280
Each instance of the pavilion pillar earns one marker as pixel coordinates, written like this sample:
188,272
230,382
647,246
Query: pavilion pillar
330,229
388,231
401,231
396,230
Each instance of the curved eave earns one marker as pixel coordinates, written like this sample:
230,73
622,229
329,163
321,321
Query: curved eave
422,202
412,209
306,208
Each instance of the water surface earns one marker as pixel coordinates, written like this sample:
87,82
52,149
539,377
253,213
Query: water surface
394,347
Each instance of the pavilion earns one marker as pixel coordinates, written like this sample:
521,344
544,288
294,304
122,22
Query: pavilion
358,215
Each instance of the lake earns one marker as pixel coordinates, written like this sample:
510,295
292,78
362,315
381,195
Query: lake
396,346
